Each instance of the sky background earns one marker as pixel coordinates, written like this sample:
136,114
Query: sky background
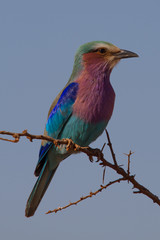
38,41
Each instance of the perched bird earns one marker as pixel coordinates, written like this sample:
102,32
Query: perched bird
81,111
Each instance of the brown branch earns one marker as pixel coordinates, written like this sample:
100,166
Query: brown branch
130,178
104,172
111,149
87,196
129,161
17,137
70,145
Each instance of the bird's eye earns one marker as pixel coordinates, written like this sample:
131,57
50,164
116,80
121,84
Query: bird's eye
102,50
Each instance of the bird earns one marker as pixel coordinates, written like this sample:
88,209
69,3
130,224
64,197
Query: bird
81,111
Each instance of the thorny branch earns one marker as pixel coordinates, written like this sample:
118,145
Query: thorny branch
87,196
90,152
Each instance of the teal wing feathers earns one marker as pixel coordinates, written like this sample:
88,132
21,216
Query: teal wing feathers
57,118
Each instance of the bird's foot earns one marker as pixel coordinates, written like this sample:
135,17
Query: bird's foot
71,145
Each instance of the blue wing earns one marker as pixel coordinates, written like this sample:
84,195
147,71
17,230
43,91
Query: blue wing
57,120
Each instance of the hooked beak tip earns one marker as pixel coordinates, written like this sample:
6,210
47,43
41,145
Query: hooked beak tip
125,54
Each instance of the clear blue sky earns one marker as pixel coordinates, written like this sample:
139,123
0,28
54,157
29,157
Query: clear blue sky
38,40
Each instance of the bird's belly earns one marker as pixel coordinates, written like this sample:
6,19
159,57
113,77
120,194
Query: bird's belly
81,132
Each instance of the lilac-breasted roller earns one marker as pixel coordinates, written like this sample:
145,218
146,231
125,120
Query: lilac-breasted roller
81,111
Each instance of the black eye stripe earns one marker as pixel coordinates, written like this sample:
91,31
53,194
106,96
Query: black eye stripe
101,50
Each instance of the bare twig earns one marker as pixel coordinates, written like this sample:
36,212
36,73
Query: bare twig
104,172
91,194
103,147
129,161
111,149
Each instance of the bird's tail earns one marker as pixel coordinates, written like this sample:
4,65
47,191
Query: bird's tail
39,189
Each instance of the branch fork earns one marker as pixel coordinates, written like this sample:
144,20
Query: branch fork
90,152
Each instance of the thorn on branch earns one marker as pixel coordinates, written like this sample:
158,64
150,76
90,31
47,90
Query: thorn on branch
103,147
90,159
104,172
25,131
136,192
129,161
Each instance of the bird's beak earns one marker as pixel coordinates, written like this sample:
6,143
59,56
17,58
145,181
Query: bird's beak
125,54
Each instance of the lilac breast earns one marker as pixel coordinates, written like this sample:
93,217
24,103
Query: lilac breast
95,98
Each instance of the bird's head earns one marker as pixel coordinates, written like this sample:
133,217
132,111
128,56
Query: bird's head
100,56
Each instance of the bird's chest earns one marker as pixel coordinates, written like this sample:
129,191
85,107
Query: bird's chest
95,101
